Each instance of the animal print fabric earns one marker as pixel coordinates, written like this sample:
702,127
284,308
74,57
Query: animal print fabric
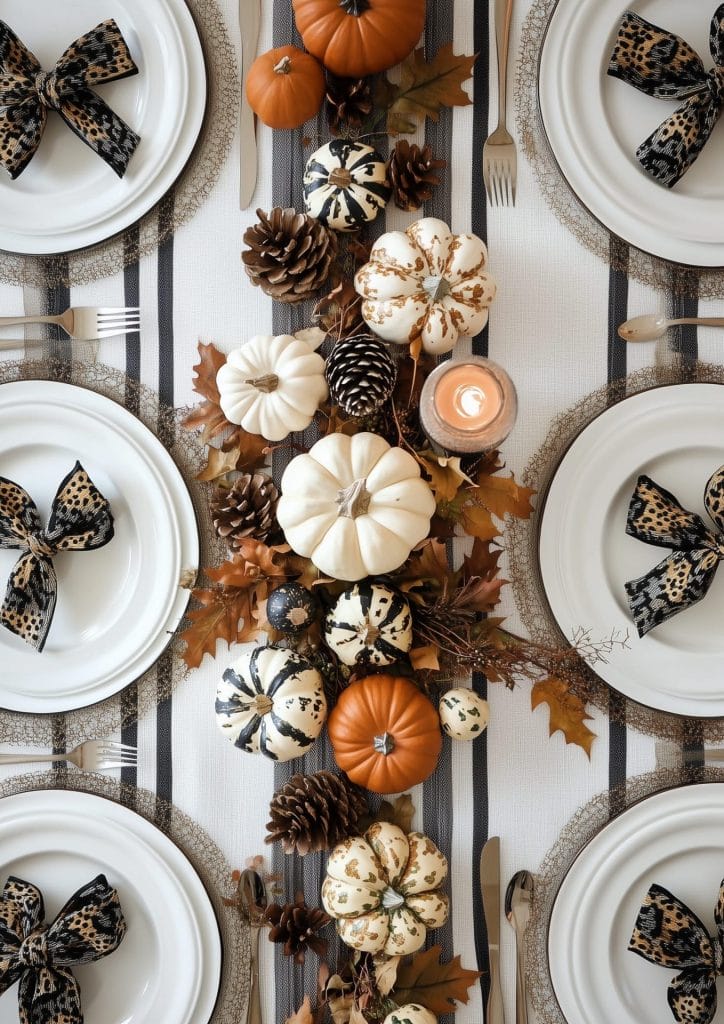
663,65
27,93
80,520
683,578
40,956
667,933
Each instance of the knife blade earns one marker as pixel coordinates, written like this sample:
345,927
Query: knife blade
249,21
490,891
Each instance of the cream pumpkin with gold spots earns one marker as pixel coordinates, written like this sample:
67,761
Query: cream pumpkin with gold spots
383,890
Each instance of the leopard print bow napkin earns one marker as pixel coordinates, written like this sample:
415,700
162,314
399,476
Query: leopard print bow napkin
90,926
80,520
661,64
667,933
27,93
683,578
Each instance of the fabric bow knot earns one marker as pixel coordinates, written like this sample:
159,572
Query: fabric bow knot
80,520
27,93
40,956
661,64
667,933
683,578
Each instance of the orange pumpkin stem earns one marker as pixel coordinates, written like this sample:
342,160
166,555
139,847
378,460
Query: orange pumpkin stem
284,66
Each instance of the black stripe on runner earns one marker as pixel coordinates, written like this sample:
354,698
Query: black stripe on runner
685,338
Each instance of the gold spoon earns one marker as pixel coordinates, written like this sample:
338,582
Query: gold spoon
253,902
655,325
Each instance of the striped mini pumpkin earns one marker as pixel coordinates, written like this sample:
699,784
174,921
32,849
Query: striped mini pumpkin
271,701
345,185
370,624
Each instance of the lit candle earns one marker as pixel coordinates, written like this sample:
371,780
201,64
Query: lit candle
468,406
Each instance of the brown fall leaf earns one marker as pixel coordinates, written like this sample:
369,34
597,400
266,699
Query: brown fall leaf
423,979
426,87
426,564
208,415
445,473
482,560
251,562
477,521
210,418
502,496
425,657
386,975
478,594
254,450
303,1015
219,462
567,712
225,615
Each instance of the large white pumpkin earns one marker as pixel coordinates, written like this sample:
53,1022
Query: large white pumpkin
271,701
355,505
426,283
272,385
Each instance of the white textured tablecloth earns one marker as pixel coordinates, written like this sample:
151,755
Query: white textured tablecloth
551,327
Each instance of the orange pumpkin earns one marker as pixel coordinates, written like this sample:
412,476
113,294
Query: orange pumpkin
354,38
285,87
385,734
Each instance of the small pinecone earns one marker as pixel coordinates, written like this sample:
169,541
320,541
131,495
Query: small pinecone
289,254
296,925
315,812
361,374
247,509
412,173
349,101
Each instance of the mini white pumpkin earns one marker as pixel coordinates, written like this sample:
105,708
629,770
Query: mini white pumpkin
272,385
464,714
370,624
383,890
271,701
345,184
411,1013
426,283
355,505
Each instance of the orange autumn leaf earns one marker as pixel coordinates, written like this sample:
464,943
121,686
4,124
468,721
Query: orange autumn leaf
251,562
225,615
478,522
209,418
253,449
303,1014
567,712
423,979
210,362
425,657
501,495
219,462
446,475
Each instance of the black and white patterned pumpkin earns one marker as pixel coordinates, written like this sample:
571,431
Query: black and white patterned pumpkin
271,701
370,624
345,184
464,714
291,608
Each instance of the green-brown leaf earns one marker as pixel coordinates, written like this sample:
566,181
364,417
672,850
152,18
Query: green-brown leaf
428,86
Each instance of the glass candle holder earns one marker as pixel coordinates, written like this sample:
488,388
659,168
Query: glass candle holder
468,406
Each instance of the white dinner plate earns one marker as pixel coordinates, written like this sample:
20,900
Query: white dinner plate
674,839
167,968
67,197
595,123
118,606
675,434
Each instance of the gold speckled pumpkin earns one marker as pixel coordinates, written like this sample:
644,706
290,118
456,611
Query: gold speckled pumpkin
383,890
411,1013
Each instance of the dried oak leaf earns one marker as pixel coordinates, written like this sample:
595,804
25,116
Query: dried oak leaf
208,415
399,811
476,519
426,564
225,615
427,657
219,462
567,712
502,496
423,979
445,473
303,1015
252,562
482,560
427,86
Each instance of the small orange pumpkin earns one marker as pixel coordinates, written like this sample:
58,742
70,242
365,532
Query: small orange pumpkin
285,87
385,734
354,38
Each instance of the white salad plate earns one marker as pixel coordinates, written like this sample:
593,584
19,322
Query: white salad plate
118,606
595,123
675,434
167,968
67,197
675,839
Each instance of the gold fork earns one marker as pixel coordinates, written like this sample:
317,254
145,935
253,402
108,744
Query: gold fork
85,323
91,756
500,160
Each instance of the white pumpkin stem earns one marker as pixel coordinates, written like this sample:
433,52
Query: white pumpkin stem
391,899
354,500
436,287
268,383
340,177
284,66
384,744
262,704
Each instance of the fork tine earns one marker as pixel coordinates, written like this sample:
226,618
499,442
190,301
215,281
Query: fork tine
105,746
104,310
118,321
114,332
508,201
108,766
497,184
115,317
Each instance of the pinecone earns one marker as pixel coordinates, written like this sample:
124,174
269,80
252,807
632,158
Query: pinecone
361,374
296,925
412,173
314,812
289,254
247,509
349,101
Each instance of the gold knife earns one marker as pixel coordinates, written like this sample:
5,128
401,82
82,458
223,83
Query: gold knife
249,19
490,890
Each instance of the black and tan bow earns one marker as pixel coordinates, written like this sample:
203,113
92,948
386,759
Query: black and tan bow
80,520
667,933
40,956
27,93
663,65
683,578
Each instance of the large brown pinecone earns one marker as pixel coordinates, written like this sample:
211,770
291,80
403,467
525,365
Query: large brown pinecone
349,101
296,925
315,812
289,254
247,509
412,173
